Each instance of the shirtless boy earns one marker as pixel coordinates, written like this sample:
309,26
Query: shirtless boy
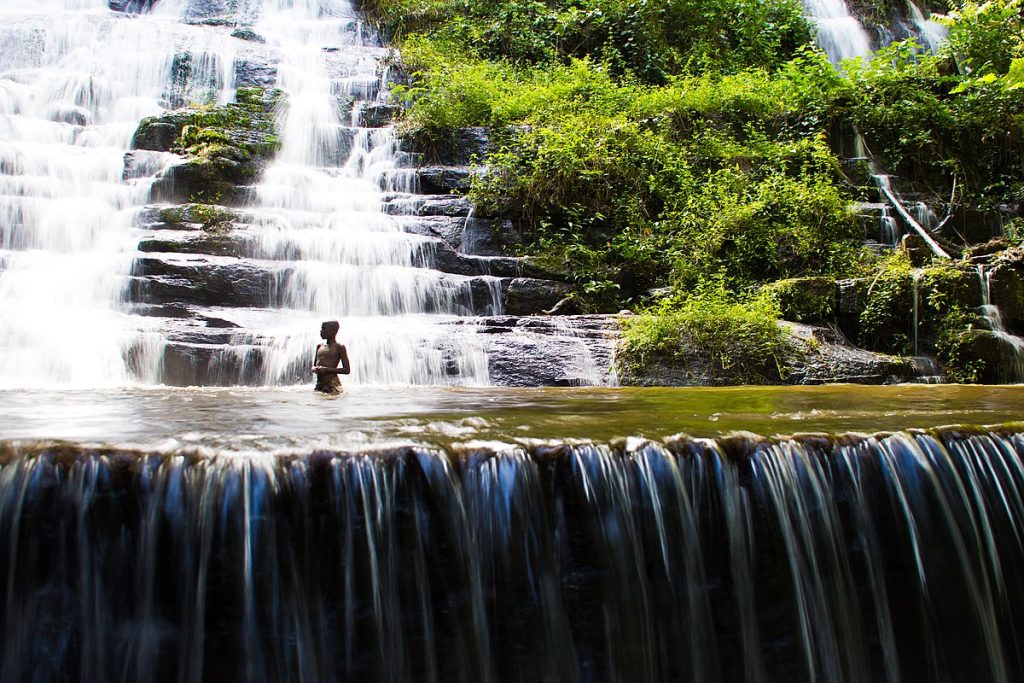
328,356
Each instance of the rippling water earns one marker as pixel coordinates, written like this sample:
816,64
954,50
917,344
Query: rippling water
242,420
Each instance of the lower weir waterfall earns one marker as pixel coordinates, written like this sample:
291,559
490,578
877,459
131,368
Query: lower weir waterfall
895,557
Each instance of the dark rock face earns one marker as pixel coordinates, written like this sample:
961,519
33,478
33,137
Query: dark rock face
216,245
448,260
447,229
549,351
248,34
449,206
996,358
377,115
528,296
824,356
489,237
159,281
444,179
1007,289
226,148
157,134
130,6
196,180
466,146
196,364
250,73
210,10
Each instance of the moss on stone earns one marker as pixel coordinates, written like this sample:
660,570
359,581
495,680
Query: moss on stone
805,299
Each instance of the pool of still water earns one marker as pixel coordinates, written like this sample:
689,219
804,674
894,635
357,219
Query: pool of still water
244,420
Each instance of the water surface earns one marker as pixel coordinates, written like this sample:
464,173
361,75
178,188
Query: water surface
295,419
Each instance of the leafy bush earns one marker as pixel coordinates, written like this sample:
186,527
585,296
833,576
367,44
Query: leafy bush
649,40
740,339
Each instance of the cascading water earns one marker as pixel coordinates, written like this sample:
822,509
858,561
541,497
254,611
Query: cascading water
74,82
931,33
323,234
320,209
1014,369
894,557
839,33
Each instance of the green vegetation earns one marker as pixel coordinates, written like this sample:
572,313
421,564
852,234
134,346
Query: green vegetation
232,135
736,341
808,299
677,145
209,217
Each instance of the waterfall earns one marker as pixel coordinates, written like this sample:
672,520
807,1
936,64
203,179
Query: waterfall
894,557
1014,372
931,33
74,82
320,209
76,78
839,33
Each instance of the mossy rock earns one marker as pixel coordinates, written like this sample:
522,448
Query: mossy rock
208,217
805,299
225,146
199,179
211,245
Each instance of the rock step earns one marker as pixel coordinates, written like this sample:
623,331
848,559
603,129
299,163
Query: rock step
560,351
453,206
221,281
431,254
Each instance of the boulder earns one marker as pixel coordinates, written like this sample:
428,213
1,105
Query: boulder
1007,289
489,237
530,296
377,115
444,179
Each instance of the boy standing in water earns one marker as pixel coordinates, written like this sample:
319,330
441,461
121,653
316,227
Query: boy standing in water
328,356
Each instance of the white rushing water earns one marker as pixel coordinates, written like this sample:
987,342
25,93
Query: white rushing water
931,34
75,80
320,208
839,33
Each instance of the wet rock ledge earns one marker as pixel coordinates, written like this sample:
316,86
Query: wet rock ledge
225,148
